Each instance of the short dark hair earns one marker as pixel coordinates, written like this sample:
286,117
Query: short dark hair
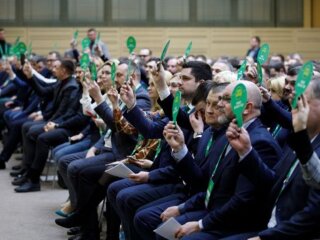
257,38
56,53
1,29
92,30
294,69
200,70
202,92
154,59
68,65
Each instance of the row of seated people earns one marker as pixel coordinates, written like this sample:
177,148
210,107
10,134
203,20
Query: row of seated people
217,180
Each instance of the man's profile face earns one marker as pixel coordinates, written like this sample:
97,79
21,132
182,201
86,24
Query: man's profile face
1,35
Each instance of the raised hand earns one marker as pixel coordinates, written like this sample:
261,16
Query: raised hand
27,69
127,96
196,122
174,136
94,90
266,96
113,97
158,76
238,138
300,114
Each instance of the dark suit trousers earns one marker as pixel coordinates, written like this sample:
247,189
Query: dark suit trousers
147,218
81,174
28,155
126,197
38,143
14,137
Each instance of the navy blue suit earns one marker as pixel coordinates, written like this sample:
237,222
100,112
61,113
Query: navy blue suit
232,202
298,205
126,196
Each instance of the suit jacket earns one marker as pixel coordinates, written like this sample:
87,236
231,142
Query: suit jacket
63,95
122,144
233,202
182,117
298,205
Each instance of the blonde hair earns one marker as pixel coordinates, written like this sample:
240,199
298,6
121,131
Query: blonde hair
276,85
225,77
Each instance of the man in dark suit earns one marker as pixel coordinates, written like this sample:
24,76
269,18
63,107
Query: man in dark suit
292,208
254,48
229,204
63,94
117,147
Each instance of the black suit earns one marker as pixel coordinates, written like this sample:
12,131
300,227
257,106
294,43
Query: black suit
65,95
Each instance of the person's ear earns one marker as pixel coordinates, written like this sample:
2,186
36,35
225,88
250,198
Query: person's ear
249,109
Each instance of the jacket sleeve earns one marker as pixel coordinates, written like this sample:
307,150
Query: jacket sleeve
182,118
105,112
301,225
280,115
145,126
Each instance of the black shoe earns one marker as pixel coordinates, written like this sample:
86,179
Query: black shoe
69,222
17,173
16,167
19,180
74,231
2,165
76,237
28,187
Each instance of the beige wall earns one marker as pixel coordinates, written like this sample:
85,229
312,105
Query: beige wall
212,42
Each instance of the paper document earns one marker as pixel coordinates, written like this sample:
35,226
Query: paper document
168,229
120,170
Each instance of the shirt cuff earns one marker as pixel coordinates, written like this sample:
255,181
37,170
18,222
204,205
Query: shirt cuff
129,109
200,224
178,156
13,77
244,155
163,94
181,208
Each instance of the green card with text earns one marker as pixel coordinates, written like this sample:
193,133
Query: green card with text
239,102
303,80
176,106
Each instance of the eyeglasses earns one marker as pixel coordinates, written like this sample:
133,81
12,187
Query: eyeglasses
225,98
143,56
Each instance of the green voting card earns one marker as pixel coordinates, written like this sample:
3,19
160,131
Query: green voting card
176,106
303,80
242,69
164,51
131,43
239,102
263,53
113,74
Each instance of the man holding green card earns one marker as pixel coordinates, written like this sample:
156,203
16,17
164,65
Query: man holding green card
97,45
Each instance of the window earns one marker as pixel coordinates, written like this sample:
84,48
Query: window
255,12
129,10
214,10
86,11
39,10
7,10
290,13
172,10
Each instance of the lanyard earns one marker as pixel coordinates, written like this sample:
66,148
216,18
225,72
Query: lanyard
211,182
286,180
138,145
209,145
276,131
158,150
